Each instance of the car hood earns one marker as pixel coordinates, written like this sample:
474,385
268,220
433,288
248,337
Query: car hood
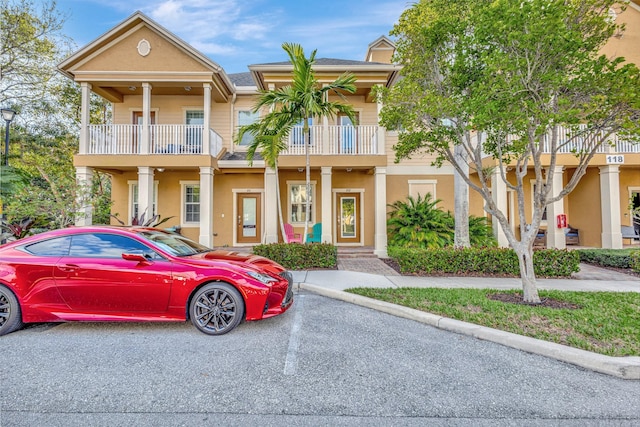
232,257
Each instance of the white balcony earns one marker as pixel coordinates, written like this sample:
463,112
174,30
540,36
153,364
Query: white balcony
337,140
163,139
571,141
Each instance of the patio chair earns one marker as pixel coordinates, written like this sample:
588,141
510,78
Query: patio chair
572,236
292,237
541,238
629,232
316,233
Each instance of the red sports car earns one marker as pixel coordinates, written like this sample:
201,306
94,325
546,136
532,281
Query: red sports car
102,273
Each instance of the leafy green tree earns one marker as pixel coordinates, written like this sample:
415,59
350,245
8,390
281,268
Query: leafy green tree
497,79
31,44
303,99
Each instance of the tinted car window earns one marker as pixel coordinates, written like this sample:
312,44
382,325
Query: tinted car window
104,245
52,247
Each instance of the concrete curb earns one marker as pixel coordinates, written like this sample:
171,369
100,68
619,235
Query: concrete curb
627,368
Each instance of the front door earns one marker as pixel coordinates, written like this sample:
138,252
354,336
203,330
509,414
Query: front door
348,217
248,225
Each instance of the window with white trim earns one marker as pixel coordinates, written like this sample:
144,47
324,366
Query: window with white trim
247,117
133,200
297,199
191,203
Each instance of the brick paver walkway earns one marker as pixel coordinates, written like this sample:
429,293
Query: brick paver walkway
366,265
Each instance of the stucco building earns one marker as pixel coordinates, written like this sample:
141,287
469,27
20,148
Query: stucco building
170,149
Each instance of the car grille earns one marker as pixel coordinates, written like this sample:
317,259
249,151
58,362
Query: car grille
289,295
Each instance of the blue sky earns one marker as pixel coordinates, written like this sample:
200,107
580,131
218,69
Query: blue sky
237,33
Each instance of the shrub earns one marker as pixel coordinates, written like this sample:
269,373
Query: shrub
482,261
618,258
296,256
419,223
635,261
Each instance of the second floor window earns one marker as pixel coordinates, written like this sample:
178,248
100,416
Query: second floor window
246,117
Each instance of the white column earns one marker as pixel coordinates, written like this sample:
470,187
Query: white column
380,222
555,236
206,206
610,206
145,139
327,216
382,132
84,117
145,191
270,207
206,143
84,178
499,195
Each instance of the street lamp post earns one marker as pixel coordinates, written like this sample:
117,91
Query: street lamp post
7,114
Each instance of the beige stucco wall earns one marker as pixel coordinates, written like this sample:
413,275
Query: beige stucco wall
625,44
123,56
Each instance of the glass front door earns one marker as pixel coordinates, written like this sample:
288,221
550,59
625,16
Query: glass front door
249,216
348,218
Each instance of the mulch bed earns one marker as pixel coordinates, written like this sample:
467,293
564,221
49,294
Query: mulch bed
545,302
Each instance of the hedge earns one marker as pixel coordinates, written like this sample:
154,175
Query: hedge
483,261
618,258
635,261
295,256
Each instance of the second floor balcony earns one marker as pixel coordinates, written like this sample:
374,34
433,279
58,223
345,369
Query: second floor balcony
128,139
162,139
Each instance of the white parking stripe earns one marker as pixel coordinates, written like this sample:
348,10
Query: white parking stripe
291,363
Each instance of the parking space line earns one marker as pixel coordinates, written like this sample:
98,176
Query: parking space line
291,363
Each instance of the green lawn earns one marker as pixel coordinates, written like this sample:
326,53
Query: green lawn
605,322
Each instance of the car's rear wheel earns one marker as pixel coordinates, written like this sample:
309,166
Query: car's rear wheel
10,316
216,308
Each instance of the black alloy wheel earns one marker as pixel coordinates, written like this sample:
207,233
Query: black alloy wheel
10,317
216,308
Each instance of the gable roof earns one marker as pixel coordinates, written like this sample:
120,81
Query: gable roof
136,20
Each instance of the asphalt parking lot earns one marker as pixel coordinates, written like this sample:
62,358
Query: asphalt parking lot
324,362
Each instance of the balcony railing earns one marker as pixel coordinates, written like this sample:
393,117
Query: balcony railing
331,140
163,139
570,141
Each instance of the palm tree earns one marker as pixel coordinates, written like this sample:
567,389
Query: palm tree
300,101
270,134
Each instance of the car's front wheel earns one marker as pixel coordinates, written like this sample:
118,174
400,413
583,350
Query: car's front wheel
216,308
10,317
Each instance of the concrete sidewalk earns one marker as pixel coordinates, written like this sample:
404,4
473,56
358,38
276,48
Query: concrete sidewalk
332,283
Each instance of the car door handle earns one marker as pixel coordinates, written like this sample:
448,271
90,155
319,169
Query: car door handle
68,267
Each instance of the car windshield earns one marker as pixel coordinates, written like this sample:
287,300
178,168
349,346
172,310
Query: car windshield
174,244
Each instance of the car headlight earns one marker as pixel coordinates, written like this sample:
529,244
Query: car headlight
262,278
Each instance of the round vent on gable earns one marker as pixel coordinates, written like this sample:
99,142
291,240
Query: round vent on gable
144,47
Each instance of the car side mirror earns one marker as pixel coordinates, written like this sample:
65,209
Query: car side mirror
136,257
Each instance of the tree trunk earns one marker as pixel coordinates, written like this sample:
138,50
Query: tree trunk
279,202
307,140
461,200
529,287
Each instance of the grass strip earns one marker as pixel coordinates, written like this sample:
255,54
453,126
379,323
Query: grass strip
605,322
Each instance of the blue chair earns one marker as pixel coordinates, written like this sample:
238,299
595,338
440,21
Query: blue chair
316,233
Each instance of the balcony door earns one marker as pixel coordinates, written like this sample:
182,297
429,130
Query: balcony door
137,132
348,135
348,218
195,125
248,225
